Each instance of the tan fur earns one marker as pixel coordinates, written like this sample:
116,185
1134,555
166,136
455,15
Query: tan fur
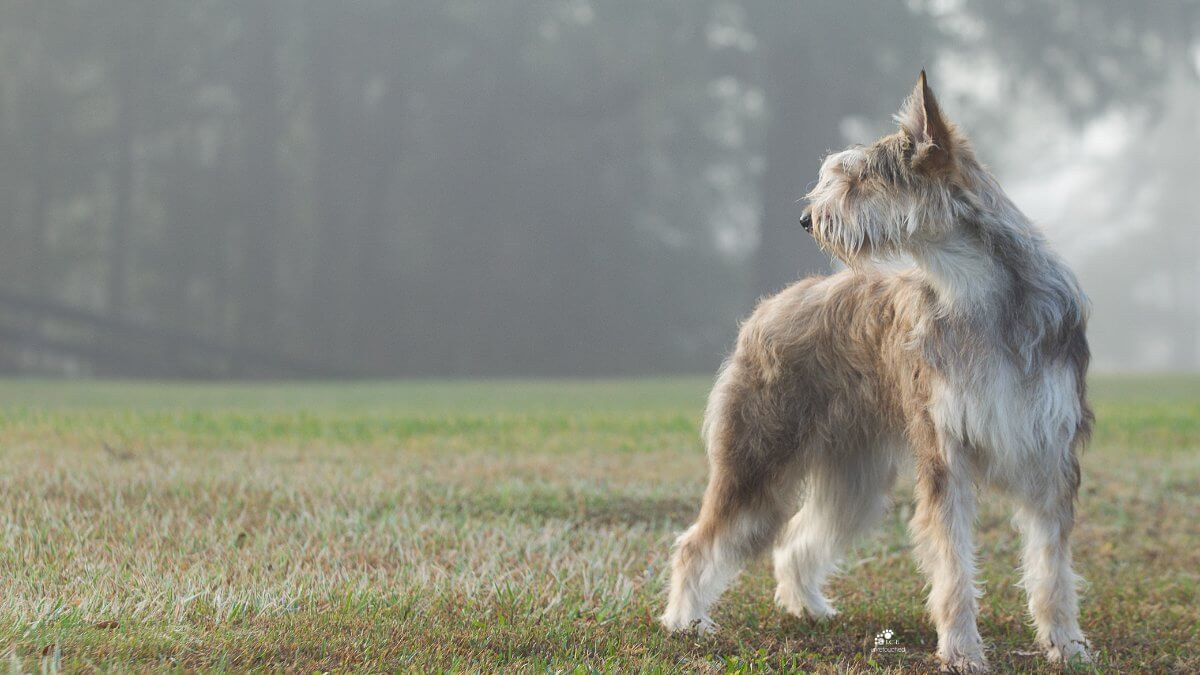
970,366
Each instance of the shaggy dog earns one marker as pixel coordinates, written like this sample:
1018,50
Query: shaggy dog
970,366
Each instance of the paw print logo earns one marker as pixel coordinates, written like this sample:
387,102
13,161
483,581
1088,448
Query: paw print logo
886,642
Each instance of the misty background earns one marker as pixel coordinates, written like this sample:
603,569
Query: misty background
268,188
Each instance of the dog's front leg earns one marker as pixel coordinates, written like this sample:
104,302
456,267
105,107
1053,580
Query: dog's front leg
942,528
1045,517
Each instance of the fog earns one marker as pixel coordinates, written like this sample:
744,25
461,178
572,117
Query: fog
292,188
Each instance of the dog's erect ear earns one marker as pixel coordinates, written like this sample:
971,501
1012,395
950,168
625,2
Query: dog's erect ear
923,123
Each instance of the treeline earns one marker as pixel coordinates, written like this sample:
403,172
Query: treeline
433,188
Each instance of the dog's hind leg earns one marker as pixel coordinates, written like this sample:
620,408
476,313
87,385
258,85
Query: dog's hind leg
844,496
744,505
736,523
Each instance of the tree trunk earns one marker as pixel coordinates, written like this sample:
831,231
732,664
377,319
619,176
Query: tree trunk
260,97
42,136
327,301
382,158
122,215
802,126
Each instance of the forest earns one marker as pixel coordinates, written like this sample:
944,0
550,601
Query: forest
221,188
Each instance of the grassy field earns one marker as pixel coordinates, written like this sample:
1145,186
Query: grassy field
501,526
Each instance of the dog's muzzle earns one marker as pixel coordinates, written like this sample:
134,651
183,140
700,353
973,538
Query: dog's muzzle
806,221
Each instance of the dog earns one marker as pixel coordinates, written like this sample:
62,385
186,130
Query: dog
969,366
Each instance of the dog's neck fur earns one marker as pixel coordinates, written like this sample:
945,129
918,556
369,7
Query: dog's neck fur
994,271
967,276
964,277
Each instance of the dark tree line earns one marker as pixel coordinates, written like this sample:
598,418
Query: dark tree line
454,188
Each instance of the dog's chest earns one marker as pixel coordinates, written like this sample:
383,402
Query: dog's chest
1010,418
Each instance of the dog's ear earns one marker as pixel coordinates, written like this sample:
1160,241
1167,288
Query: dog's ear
921,119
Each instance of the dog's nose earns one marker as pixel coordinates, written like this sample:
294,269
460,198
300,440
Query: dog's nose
806,221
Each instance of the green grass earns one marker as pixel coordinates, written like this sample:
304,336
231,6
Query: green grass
503,525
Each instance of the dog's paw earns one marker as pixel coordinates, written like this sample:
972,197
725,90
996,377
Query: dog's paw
820,614
815,609
702,626
1072,651
965,664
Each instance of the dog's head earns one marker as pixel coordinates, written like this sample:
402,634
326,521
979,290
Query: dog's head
897,194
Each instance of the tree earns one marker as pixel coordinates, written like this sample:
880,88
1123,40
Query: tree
259,96
823,63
